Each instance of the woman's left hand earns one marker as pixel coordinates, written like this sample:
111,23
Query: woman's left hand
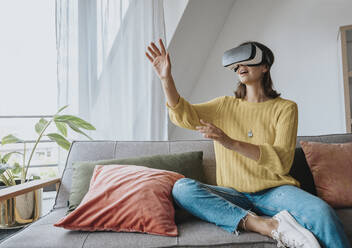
209,130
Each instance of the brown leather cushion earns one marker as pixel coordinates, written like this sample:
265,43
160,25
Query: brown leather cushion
331,166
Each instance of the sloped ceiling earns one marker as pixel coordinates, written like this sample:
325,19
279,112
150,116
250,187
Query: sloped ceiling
193,40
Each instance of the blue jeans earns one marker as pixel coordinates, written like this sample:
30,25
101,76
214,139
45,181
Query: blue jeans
225,207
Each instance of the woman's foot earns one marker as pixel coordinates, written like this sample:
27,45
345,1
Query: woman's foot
282,227
259,224
290,233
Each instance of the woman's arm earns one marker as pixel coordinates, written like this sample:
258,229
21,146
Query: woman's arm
276,157
160,60
187,115
181,112
246,149
170,90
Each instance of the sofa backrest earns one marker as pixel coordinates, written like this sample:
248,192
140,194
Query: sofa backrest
99,150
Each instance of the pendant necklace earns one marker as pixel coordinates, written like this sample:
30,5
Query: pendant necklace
250,133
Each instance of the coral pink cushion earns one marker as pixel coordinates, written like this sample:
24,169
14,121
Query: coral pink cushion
331,166
126,198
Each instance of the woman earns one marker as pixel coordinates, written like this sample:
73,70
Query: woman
254,136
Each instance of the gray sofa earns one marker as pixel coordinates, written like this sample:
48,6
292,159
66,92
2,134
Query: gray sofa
192,231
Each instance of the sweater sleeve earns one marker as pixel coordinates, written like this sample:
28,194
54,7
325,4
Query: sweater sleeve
279,156
187,115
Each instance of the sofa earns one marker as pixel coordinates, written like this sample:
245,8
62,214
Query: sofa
193,232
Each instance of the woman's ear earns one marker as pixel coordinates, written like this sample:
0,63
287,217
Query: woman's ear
265,69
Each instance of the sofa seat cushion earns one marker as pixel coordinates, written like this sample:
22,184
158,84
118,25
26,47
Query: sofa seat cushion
192,232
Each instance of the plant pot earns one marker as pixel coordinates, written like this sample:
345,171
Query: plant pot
21,210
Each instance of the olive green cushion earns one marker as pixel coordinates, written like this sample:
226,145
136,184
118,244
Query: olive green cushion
188,164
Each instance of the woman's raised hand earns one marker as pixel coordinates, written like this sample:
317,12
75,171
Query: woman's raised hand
159,59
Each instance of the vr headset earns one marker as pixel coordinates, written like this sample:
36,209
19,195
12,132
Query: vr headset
249,54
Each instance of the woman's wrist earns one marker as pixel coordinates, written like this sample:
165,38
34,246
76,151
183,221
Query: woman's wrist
166,80
170,91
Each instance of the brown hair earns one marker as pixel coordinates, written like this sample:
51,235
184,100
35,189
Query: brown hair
266,83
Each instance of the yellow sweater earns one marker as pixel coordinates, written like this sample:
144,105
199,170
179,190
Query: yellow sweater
274,128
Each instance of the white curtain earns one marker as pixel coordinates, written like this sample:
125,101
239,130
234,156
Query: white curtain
103,73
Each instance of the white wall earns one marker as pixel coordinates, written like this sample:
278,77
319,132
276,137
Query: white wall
304,38
173,10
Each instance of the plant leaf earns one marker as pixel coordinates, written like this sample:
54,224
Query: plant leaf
60,140
4,179
7,156
62,108
16,168
76,120
4,167
9,139
40,125
36,177
61,126
76,129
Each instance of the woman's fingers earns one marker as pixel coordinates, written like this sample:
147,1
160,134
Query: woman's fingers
163,51
207,124
152,52
149,57
168,58
209,128
156,49
208,132
205,129
210,137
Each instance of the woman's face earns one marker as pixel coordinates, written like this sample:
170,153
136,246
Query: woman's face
251,74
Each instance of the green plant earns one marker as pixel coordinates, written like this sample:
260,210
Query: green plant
8,172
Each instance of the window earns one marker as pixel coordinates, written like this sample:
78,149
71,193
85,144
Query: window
110,15
28,78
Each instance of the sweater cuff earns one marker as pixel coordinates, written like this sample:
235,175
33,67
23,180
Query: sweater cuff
266,155
177,106
269,158
261,154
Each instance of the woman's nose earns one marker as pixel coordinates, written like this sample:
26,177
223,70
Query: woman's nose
240,66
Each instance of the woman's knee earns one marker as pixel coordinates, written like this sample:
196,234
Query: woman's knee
182,187
321,211
321,207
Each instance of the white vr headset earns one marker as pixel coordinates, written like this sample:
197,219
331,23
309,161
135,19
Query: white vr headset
248,54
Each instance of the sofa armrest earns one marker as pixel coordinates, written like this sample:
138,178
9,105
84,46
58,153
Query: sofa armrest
23,188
